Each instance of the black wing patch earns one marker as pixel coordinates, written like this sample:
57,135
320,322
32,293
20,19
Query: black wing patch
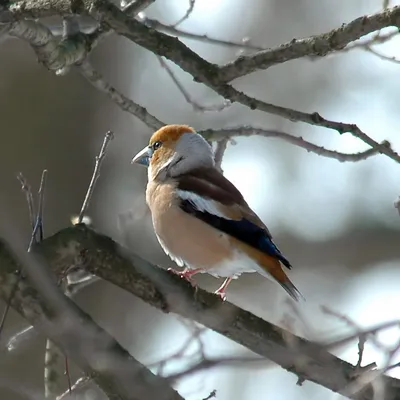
243,230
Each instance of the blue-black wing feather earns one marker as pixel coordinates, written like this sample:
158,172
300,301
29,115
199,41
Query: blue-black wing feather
243,230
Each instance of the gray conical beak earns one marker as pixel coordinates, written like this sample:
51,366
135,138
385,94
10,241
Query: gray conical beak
143,157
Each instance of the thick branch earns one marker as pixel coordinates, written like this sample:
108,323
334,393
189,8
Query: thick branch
51,52
97,353
104,258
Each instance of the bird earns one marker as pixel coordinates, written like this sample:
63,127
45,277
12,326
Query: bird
201,220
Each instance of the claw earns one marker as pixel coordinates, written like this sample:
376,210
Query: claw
221,290
185,274
221,294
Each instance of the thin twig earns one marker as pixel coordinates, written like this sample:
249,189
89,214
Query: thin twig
96,174
244,44
381,56
79,384
39,217
136,6
97,80
26,188
211,395
397,205
187,14
246,131
196,106
67,374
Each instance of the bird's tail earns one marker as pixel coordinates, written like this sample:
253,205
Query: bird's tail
271,267
294,293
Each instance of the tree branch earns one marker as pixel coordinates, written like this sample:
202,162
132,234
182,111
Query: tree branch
319,45
213,76
246,131
97,80
103,257
101,358
208,73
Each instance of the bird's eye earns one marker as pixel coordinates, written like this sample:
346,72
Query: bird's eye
156,145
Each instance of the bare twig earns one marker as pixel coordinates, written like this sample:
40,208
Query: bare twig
80,384
209,363
96,79
196,106
39,217
319,45
137,6
96,174
397,205
187,14
67,374
211,395
244,44
383,57
26,188
35,222
245,131
16,341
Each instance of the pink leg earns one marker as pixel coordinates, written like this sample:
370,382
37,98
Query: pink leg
221,290
186,273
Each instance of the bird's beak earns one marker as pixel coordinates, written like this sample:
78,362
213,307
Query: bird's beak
143,157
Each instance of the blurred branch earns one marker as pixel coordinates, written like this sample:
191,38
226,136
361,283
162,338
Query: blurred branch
187,14
101,256
97,80
397,205
80,384
185,93
244,131
244,44
39,301
51,377
220,151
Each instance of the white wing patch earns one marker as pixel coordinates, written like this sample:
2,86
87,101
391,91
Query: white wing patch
201,203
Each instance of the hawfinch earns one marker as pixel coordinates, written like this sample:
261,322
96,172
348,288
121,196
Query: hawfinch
201,220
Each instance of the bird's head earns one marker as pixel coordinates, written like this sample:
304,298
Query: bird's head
174,150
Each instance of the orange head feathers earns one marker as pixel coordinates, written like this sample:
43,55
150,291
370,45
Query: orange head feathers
174,149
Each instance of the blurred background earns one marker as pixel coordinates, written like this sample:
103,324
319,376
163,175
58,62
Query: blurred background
334,221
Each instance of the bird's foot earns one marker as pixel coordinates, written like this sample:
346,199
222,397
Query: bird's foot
221,294
185,274
222,289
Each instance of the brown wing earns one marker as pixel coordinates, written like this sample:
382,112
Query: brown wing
210,183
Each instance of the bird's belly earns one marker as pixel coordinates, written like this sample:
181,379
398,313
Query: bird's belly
219,258
234,267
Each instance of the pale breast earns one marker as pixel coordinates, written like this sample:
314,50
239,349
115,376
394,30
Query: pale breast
186,239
